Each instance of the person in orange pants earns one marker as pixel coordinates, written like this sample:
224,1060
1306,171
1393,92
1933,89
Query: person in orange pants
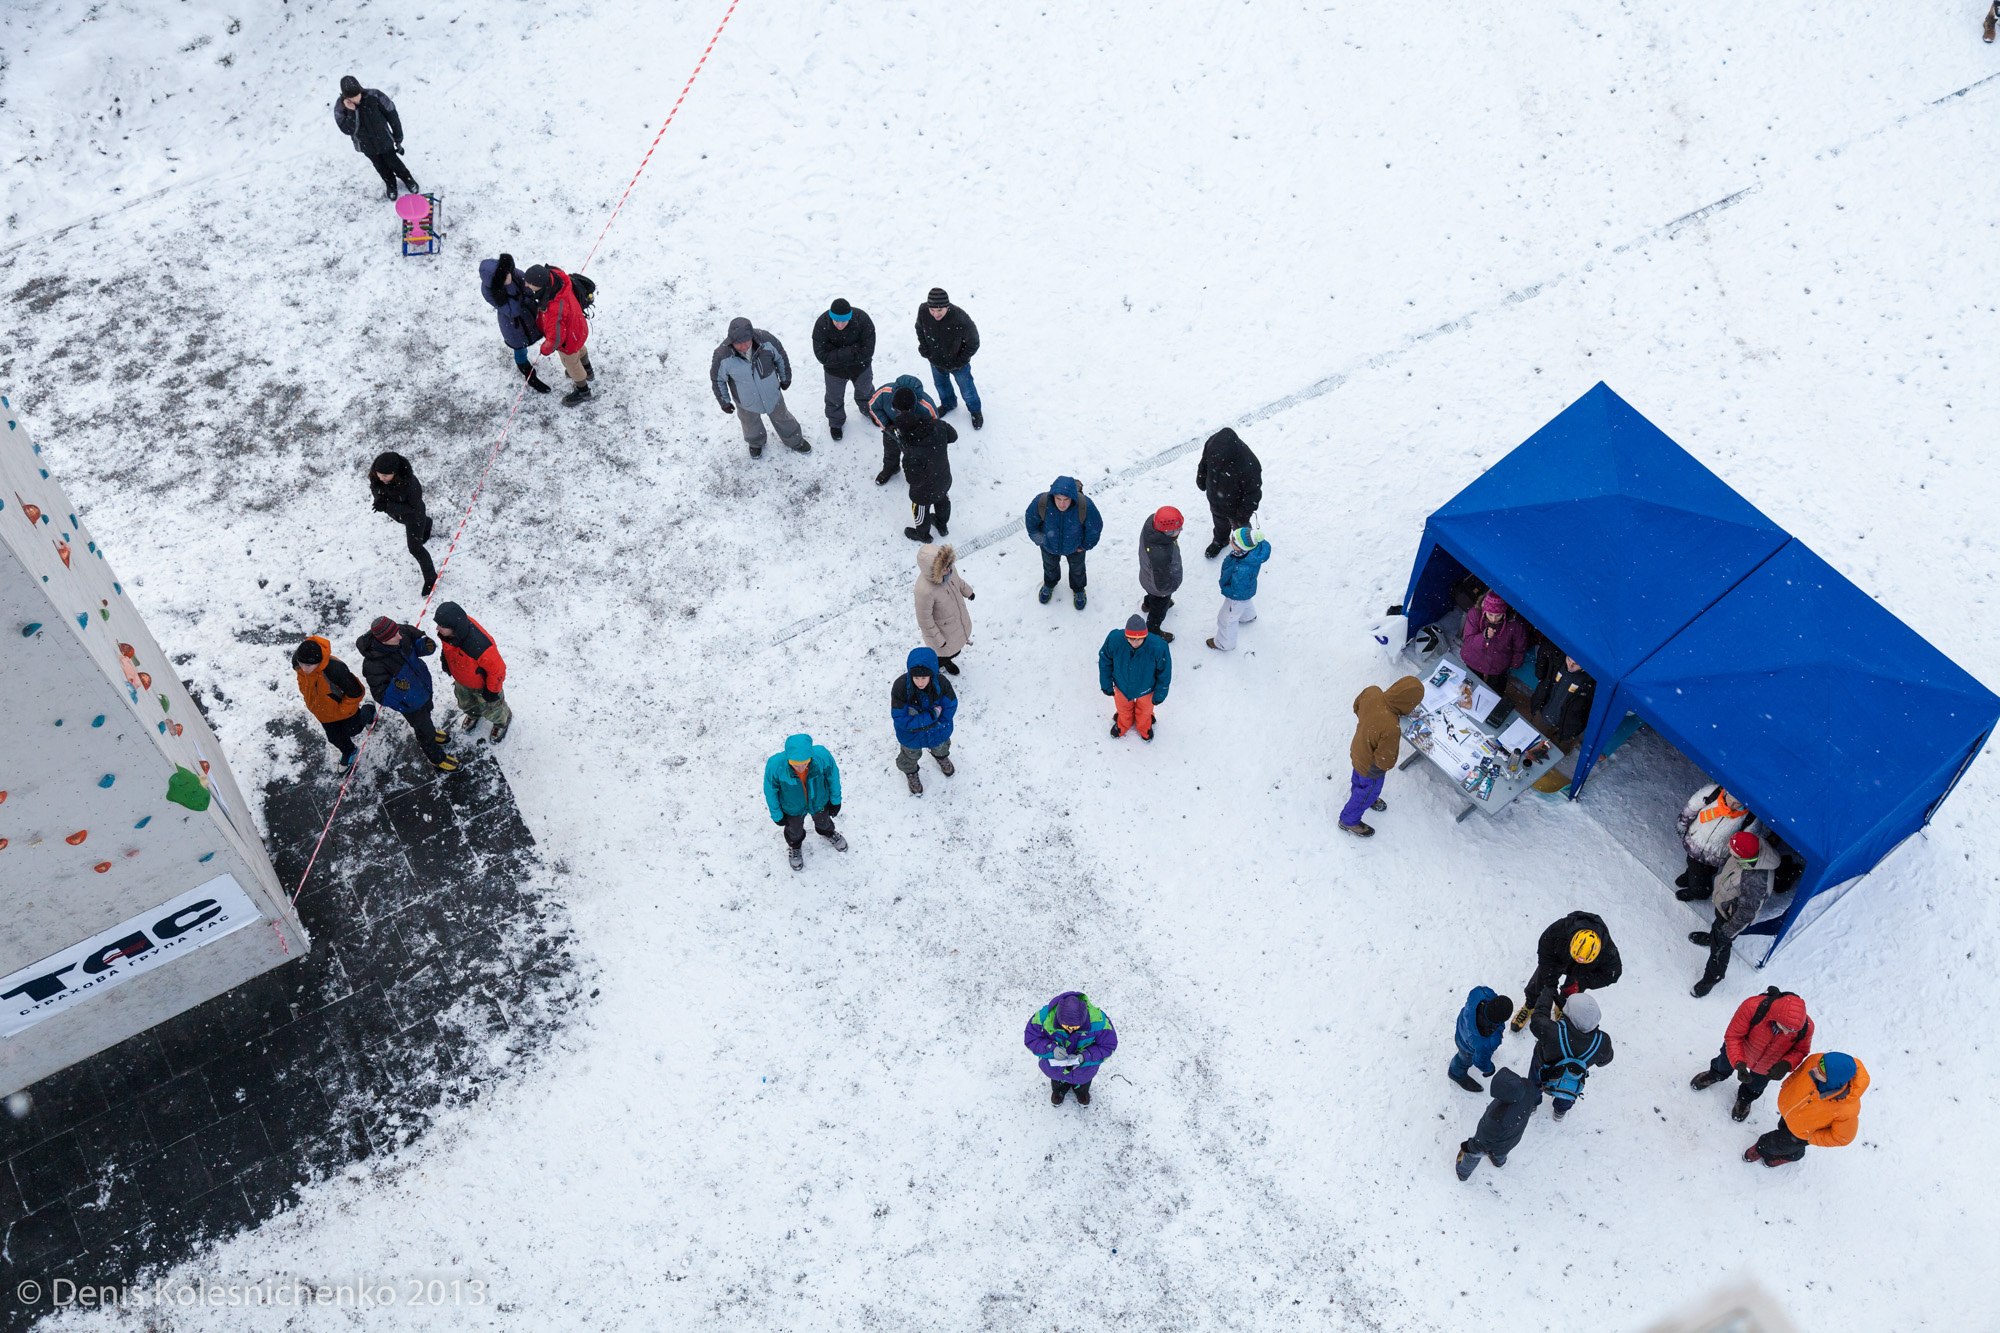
1134,667
1819,1104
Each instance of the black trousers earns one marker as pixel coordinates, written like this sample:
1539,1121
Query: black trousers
1719,949
892,455
1753,1085
415,534
1052,569
391,169
1069,1087
1541,986
1156,609
342,733
795,827
1226,522
938,511
1781,1145
1699,875
421,723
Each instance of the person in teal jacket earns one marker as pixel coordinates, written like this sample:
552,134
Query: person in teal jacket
1247,553
1134,667
802,780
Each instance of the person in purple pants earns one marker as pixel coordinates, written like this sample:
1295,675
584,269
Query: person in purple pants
1378,742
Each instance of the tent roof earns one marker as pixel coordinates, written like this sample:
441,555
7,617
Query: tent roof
1606,534
1824,708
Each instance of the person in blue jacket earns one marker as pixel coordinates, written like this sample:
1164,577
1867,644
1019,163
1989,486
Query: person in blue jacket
520,327
922,704
392,662
1247,553
1482,1023
1134,667
802,780
1063,522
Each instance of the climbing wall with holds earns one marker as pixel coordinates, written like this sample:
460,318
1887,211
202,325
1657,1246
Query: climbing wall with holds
115,800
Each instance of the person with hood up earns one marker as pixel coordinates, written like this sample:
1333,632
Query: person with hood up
1064,523
802,780
392,660
1482,1026
943,617
948,339
504,290
565,329
1494,641
333,696
1819,1104
924,443
1568,1045
922,704
1707,822
478,674
750,373
889,404
1768,1037
1741,891
1574,953
368,117
1160,566
1134,668
400,495
1247,553
1234,482
844,346
1500,1128
1563,691
1072,1038
1378,743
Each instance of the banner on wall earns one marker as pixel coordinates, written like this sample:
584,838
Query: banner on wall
200,916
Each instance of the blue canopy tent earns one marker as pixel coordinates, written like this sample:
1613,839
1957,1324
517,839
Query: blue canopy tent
1839,725
1608,536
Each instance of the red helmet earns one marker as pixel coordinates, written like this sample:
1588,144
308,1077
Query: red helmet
1745,845
1167,519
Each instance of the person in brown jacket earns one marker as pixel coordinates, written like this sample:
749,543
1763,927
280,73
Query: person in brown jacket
1378,742
943,617
332,695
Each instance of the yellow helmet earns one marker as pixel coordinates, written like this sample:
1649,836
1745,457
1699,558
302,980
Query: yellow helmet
1584,946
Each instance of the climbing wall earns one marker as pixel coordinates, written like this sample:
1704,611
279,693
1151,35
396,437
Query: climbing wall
135,884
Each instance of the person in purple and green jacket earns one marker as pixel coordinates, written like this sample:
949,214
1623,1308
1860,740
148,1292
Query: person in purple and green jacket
1073,1038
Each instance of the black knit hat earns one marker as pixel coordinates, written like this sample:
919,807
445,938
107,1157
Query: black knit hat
537,275
307,654
937,297
840,306
1496,1011
903,399
349,85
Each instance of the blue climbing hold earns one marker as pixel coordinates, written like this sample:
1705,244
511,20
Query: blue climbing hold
97,721
59,722
142,823
208,856
107,779
83,620
163,728
31,629
118,587
74,525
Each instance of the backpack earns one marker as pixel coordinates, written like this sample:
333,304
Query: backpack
586,292
1565,1077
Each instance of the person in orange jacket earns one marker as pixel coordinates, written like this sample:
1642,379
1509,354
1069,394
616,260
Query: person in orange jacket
332,695
477,671
1819,1104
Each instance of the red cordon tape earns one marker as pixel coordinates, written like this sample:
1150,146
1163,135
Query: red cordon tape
494,453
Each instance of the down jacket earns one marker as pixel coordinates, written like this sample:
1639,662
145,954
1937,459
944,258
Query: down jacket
1496,653
1742,888
1707,839
374,125
845,352
1378,730
925,443
1507,1115
1239,572
757,381
1064,531
1824,1119
785,795
943,617
1095,1039
501,286
1135,672
1232,477
923,717
396,672
564,327
470,654
1756,1043
1478,1047
1159,560
331,692
948,343
883,413
1552,958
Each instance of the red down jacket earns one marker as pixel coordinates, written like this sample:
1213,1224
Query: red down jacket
564,329
1761,1047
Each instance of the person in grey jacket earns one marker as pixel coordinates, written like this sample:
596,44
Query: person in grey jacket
751,368
1160,565
1741,889
368,117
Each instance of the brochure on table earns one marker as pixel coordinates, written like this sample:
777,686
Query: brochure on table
1446,728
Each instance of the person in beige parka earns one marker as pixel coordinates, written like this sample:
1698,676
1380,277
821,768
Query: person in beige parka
943,617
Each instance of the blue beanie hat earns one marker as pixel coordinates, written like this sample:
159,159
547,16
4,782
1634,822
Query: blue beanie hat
1833,1071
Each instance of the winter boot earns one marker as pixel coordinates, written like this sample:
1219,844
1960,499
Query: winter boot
470,722
1701,937
430,583
882,477
979,420
1048,591
1560,1109
756,451
1082,1089
1081,599
1211,643
1701,988
347,760
1992,19
1057,1091
1693,895
839,843
446,765
534,380
1468,1162
1212,550
916,534
950,667
833,431
800,448
1741,1111
1147,734
1521,1017
441,735
412,186
1165,634
578,393
944,529
1379,806
1468,1082
1358,829
916,783
498,734
1116,730
1750,1154
1705,1080
1681,880
797,856
945,766
391,196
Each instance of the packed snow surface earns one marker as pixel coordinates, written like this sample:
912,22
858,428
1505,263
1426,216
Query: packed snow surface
1387,242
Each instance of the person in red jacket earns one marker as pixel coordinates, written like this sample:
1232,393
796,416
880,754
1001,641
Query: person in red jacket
477,671
1769,1036
564,329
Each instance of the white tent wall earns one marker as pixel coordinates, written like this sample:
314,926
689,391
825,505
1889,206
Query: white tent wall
115,805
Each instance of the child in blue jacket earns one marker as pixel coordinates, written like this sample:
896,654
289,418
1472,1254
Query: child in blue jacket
1247,553
1481,1025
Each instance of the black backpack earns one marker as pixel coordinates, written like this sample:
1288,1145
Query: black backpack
586,292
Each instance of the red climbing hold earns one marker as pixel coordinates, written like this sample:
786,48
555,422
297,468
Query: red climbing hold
101,867
76,839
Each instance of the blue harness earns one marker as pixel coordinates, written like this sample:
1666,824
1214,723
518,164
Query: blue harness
1565,1077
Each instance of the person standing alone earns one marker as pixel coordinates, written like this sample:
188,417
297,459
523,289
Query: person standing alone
948,339
750,373
844,345
368,117
400,495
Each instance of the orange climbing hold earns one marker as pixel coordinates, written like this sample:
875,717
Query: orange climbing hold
3,798
101,867
76,839
3,844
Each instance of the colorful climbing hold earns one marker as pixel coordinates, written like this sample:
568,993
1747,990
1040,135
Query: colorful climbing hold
107,779
163,728
118,587
97,721
59,722
3,846
174,727
3,798
82,617
147,682
101,867
185,787
205,856
142,823
31,629
74,524
76,839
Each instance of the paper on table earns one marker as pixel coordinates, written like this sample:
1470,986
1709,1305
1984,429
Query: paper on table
1519,735
1474,699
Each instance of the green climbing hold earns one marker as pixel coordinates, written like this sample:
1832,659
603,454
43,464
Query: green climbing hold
185,788
164,705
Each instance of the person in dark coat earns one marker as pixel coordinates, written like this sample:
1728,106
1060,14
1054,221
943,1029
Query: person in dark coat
520,329
1567,1047
1160,565
1563,692
947,338
1500,1128
1574,954
924,443
1064,523
368,117
889,403
922,704
392,661
400,495
844,346
1481,1027
1741,890
1233,479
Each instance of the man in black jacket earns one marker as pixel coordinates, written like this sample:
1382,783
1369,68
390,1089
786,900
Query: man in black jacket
844,345
367,116
923,441
400,495
1574,954
947,338
1507,1116
1563,691
1234,482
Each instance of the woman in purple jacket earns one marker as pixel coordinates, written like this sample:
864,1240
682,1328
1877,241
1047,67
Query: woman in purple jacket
1495,641
1072,1038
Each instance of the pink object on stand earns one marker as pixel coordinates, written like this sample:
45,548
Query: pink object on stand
413,207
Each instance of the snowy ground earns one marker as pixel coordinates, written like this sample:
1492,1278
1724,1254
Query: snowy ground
1393,244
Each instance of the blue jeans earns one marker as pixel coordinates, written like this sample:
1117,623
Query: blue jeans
1362,794
946,398
520,356
1461,1064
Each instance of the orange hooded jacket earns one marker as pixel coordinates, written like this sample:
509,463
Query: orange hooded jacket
1825,1120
